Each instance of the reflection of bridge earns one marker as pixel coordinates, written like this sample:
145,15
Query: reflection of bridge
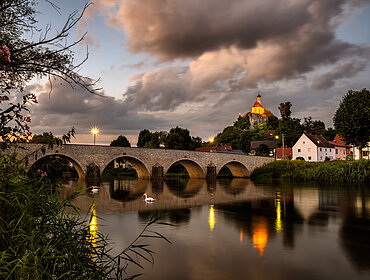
90,161
127,195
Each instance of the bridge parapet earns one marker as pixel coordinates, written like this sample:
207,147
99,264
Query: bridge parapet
147,162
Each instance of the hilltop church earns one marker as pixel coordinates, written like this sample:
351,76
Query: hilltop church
258,114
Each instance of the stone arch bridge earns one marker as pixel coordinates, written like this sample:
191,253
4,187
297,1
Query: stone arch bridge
148,163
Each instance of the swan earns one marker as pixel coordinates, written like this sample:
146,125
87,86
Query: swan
95,190
148,199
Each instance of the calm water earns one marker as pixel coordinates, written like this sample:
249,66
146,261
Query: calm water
236,229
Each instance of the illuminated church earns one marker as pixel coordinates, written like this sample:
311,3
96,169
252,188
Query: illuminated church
258,114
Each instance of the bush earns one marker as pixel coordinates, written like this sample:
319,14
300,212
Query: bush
297,170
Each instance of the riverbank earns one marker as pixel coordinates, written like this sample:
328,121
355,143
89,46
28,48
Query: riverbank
296,170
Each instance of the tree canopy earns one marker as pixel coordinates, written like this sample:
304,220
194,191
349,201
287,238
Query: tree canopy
121,141
352,118
23,58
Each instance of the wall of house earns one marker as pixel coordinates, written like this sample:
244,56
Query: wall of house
365,152
340,153
305,148
322,153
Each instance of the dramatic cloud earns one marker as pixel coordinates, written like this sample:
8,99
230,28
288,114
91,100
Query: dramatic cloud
343,71
66,107
230,45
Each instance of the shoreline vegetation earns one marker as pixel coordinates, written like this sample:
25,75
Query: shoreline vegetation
302,171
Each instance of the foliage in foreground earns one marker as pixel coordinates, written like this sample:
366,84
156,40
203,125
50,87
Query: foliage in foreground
42,237
296,170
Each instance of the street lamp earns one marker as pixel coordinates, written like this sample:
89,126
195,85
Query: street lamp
94,131
282,139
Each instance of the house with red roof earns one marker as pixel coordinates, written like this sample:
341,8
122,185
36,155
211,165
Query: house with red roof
342,150
313,148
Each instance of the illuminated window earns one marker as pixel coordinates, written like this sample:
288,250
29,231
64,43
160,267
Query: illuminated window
309,149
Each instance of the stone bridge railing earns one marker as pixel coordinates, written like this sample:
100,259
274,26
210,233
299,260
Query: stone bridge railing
90,161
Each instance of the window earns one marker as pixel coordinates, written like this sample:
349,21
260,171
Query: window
309,158
309,149
336,151
299,150
320,149
325,149
344,152
321,157
304,142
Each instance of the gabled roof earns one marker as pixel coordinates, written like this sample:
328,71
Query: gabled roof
319,140
338,141
270,144
257,104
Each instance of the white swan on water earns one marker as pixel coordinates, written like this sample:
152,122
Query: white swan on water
148,199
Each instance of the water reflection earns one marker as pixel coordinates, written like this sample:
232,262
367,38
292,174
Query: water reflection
211,217
289,225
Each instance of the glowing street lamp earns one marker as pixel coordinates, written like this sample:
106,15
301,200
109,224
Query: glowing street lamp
211,140
94,131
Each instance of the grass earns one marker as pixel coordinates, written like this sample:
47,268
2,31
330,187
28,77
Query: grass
43,237
296,170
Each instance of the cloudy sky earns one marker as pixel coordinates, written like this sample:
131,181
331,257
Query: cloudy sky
198,64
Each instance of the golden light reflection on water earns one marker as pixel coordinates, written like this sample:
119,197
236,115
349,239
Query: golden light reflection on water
260,235
93,225
278,222
211,218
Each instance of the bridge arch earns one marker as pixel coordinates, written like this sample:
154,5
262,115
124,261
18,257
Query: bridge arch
140,167
192,167
75,163
237,169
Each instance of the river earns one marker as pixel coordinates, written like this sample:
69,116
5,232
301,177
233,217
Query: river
238,229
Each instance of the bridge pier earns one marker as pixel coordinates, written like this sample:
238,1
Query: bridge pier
93,172
211,171
157,171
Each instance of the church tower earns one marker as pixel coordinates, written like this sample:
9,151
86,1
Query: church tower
257,107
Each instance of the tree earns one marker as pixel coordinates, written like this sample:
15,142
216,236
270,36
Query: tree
144,137
352,118
121,141
22,59
292,130
284,109
178,139
242,122
330,133
262,150
313,126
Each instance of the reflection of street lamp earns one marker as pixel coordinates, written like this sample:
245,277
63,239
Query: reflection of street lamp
94,131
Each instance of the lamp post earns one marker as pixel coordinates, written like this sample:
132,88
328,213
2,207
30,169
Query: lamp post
282,139
94,131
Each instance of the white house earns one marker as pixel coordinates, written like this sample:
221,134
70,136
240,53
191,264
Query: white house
365,152
313,148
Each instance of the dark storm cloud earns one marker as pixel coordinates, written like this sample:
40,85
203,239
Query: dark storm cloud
347,70
67,107
233,45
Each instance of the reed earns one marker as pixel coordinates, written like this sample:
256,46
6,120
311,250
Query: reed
43,237
296,170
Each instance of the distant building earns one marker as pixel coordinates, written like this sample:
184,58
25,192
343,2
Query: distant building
313,148
342,150
257,115
269,143
288,153
365,152
223,149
